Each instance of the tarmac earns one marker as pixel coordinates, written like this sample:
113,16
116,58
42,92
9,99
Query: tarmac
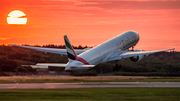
88,85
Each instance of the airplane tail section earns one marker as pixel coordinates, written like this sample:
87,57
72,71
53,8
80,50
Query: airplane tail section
70,50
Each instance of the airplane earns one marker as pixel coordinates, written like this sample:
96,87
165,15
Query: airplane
112,50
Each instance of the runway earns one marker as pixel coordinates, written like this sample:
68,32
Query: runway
88,85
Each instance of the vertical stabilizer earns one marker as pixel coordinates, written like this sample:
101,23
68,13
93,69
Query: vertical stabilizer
70,50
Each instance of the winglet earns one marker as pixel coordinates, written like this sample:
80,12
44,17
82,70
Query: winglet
70,50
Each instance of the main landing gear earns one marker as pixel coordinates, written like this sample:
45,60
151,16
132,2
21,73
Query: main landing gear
132,48
117,67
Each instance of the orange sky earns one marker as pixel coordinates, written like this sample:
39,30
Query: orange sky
91,22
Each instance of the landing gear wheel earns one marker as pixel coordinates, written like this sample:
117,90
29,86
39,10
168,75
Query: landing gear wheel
117,67
71,73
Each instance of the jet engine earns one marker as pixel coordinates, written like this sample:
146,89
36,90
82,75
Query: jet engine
137,58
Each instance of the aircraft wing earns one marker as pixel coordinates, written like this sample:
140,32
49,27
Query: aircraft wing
51,50
126,54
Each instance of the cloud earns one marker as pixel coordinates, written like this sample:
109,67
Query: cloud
4,38
133,4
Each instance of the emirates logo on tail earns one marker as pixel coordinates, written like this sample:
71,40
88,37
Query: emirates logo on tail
70,50
71,53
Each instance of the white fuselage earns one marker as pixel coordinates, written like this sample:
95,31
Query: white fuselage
102,52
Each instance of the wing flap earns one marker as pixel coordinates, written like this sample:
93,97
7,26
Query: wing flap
127,54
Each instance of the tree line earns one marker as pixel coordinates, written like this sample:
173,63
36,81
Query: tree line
57,46
159,64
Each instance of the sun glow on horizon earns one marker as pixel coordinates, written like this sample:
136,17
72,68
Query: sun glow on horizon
17,17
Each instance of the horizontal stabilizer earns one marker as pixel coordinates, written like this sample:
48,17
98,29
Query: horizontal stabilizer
89,66
79,68
51,64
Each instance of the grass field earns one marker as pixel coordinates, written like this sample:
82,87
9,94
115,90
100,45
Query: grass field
91,94
72,79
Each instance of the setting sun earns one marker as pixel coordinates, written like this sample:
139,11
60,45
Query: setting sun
17,17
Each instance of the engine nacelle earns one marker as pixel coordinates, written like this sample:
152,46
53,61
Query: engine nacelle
137,58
